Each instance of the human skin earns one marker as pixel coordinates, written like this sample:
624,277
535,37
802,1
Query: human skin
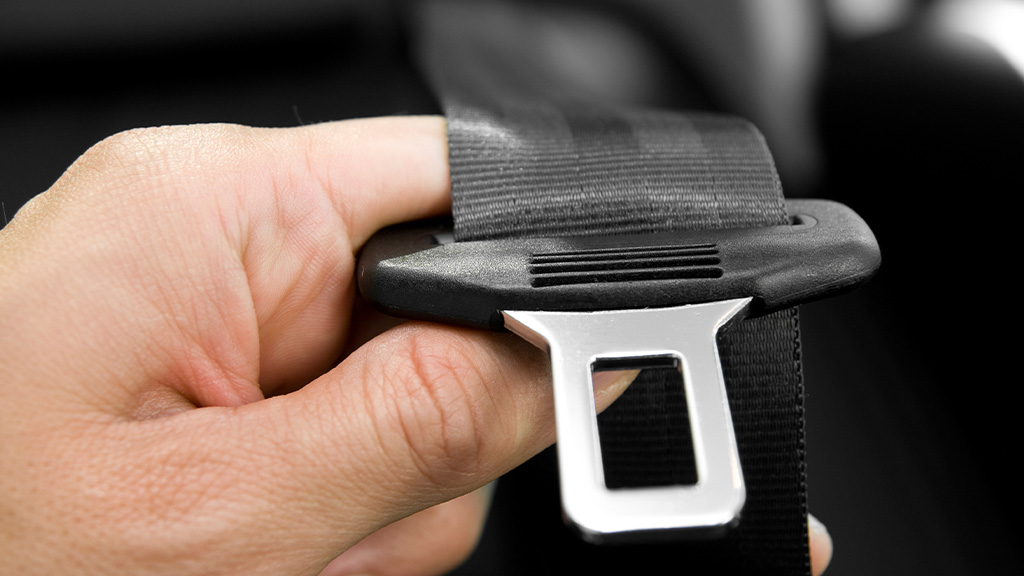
183,389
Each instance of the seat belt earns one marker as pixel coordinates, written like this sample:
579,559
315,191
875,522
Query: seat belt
525,165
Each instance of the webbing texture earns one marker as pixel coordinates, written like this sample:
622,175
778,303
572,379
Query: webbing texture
589,169
535,165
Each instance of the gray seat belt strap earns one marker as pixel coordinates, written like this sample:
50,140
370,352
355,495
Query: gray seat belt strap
526,165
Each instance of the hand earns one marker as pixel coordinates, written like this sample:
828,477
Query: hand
172,313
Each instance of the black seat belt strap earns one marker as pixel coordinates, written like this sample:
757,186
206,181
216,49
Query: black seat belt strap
527,165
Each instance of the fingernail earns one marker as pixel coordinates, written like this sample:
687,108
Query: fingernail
815,526
821,545
610,384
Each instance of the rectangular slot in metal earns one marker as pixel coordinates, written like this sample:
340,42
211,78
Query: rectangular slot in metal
657,448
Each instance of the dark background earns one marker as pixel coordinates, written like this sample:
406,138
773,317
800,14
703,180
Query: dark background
911,112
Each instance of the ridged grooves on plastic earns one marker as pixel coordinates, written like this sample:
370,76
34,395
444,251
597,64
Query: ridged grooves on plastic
635,264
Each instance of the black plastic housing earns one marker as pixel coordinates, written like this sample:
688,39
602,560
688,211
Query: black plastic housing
416,270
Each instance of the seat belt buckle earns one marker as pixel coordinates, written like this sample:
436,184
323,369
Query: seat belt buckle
627,302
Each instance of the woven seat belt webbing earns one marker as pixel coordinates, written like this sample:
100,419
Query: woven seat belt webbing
523,165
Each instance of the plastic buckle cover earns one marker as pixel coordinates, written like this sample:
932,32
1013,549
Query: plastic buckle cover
627,300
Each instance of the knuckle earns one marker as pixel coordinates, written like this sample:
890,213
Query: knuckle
125,149
160,150
159,167
126,163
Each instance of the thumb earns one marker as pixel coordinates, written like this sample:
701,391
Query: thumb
417,416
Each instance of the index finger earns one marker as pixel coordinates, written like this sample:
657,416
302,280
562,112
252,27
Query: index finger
397,166
373,173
